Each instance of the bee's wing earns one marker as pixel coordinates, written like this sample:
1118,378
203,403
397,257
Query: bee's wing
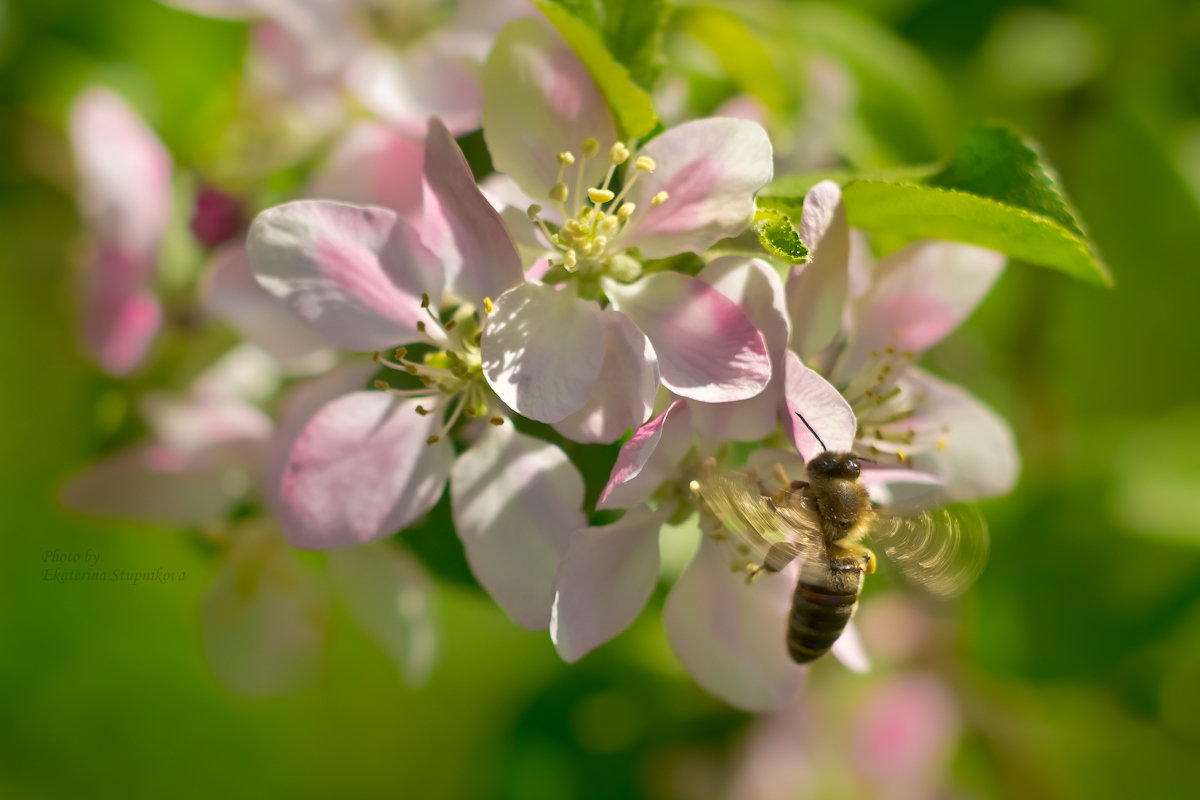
942,550
768,536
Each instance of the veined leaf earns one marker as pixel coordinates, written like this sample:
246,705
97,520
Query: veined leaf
995,191
629,102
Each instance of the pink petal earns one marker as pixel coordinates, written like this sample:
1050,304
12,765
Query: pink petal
360,470
159,486
126,176
354,274
731,636
479,254
539,101
959,439
118,328
604,580
390,597
125,196
707,348
516,500
230,291
710,169
905,735
300,405
542,351
406,88
817,291
373,164
650,456
190,426
625,388
244,373
918,294
264,620
822,406
758,291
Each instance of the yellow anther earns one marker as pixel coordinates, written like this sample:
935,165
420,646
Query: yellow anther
401,352
659,199
608,224
424,300
381,385
942,444
487,305
618,153
563,237
589,148
449,326
558,192
599,243
600,195
645,163
575,228
421,325
566,158
422,410
433,439
533,211
570,259
625,212
497,420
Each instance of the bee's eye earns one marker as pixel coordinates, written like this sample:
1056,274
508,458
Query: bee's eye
852,467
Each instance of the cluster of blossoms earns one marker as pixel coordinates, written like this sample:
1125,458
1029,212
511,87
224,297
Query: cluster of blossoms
429,316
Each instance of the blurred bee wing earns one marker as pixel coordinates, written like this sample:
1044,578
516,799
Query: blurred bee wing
768,536
942,550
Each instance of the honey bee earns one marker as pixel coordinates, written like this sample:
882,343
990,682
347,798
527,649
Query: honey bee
822,521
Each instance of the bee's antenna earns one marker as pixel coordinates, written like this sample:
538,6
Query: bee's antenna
810,430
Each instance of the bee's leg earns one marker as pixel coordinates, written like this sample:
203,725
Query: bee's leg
862,556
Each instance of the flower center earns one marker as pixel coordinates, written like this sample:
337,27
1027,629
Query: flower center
451,374
593,220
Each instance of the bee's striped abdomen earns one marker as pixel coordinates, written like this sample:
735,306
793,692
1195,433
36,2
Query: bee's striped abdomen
821,607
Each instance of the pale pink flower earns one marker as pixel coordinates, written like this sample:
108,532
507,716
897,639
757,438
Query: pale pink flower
125,198
371,463
264,618
549,130
863,326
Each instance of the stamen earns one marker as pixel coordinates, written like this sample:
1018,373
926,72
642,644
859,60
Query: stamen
600,196
570,259
625,212
608,225
487,305
659,199
533,211
645,164
590,148
566,158
497,420
558,193
617,154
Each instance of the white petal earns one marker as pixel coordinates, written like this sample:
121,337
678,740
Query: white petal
542,351
810,396
625,388
390,596
731,636
604,580
231,292
539,101
817,291
516,500
264,620
849,650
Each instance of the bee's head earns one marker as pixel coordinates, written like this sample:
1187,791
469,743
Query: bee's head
829,464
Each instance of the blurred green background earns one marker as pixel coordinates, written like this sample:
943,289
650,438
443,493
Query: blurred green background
1075,662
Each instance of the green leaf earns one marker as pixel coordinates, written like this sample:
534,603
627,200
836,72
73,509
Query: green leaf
619,41
997,162
778,236
995,191
915,211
